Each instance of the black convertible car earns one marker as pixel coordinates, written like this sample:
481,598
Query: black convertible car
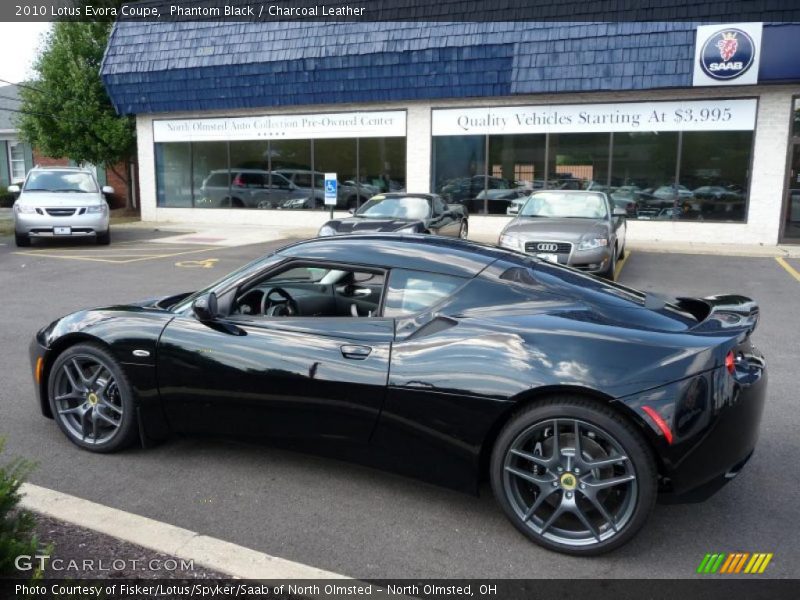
402,212
580,399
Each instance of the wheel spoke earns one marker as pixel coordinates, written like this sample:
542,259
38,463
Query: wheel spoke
106,418
602,510
71,379
113,407
607,483
605,462
69,411
556,513
541,497
577,442
539,460
540,481
556,443
85,423
576,510
70,396
94,424
79,371
93,378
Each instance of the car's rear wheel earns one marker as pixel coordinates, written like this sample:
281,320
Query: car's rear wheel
104,239
22,240
573,476
91,399
464,232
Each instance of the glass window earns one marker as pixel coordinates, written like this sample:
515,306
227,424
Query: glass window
211,177
459,167
714,175
382,165
174,174
578,161
340,156
556,204
295,185
60,181
16,156
643,173
412,291
395,207
516,161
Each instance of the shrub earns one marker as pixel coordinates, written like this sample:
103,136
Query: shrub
16,524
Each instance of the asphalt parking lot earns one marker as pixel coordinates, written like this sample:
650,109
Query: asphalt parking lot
367,523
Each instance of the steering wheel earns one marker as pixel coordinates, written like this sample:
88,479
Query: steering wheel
285,307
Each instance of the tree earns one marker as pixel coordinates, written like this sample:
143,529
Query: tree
66,111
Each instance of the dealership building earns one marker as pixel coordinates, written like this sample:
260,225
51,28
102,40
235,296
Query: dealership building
693,128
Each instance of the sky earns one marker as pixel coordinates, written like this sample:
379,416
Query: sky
19,43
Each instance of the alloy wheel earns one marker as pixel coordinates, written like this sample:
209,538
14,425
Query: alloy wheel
570,482
88,400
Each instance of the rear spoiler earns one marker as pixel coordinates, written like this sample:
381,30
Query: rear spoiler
720,314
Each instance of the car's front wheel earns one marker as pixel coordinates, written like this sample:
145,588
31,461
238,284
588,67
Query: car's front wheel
573,476
104,239
22,240
91,399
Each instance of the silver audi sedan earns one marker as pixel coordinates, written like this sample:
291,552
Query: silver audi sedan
61,202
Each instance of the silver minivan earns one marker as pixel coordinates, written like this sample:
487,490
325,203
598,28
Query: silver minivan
61,202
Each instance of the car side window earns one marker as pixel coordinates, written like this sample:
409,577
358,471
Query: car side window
439,207
411,292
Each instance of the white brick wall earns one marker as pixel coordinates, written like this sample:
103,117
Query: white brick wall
767,181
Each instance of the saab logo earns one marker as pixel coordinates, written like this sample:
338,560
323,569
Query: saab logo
547,247
727,54
735,563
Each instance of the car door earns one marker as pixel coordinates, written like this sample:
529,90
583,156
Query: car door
290,377
443,220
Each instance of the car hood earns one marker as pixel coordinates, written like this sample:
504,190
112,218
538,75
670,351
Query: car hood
357,225
565,230
58,199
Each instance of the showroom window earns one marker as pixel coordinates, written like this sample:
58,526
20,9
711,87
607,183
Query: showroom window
237,162
686,160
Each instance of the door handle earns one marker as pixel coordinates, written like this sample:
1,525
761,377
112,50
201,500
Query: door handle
356,352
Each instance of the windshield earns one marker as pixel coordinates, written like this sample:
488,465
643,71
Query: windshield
382,207
578,205
60,181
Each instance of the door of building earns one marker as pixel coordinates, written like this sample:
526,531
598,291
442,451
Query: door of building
791,222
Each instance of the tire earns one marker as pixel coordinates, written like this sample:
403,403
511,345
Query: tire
74,399
611,272
104,239
621,253
22,241
464,231
603,435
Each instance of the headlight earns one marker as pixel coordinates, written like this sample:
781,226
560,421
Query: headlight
24,209
592,243
97,208
326,230
410,229
512,242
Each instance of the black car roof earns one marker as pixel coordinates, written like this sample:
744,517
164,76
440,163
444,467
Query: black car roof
448,256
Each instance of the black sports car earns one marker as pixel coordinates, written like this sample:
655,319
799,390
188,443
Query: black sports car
580,399
403,213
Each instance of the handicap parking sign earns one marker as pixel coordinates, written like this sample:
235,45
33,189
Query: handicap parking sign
330,189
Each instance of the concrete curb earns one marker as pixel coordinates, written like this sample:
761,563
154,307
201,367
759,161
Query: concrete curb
221,556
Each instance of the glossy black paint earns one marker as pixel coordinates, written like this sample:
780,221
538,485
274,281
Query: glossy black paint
442,219
425,394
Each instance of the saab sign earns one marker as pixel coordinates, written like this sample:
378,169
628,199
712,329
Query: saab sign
727,54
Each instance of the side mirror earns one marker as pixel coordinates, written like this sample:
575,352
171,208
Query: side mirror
108,190
205,307
620,212
13,189
513,209
352,211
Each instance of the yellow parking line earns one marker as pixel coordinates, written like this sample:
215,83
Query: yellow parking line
112,260
621,264
789,268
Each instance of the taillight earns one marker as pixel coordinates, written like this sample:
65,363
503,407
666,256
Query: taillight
730,362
